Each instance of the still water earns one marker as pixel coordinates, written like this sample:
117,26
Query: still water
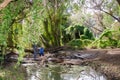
58,72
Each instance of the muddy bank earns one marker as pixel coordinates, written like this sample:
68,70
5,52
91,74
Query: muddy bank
108,64
106,61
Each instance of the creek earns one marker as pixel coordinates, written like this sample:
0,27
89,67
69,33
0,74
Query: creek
60,72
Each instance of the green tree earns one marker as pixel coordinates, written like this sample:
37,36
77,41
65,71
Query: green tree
11,23
52,14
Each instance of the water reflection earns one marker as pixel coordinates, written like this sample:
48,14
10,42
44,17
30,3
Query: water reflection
57,72
91,74
52,73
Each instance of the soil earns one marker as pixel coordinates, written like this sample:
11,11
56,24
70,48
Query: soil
106,61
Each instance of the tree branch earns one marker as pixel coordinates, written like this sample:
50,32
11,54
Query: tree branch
97,29
110,15
4,4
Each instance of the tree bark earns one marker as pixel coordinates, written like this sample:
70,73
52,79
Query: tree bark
118,2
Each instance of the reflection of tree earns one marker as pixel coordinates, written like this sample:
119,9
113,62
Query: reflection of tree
52,74
55,74
44,74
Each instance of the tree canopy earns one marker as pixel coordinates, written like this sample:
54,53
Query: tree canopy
53,23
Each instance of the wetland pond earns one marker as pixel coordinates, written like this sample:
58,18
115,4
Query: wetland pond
60,72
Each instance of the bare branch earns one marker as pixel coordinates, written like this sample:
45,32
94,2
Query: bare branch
97,6
97,29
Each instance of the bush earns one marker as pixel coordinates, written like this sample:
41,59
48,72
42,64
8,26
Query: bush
79,43
107,39
76,43
88,34
102,43
83,37
86,42
118,44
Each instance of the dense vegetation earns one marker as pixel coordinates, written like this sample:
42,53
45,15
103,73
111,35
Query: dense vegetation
53,23
78,24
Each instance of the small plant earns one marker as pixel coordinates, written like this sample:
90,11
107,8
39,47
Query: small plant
12,73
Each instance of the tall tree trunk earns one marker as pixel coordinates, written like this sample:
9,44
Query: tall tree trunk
52,27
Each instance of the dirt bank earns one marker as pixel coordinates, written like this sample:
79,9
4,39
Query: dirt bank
108,62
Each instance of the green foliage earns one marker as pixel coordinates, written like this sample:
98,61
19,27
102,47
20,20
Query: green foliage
79,32
108,39
87,42
83,37
46,23
107,43
75,31
106,34
88,34
107,20
79,43
11,31
15,35
52,15
12,73
9,17
118,43
79,36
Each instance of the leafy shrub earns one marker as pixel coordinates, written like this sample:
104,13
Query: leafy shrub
83,37
88,34
86,42
107,39
79,43
118,43
102,43
75,31
76,43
